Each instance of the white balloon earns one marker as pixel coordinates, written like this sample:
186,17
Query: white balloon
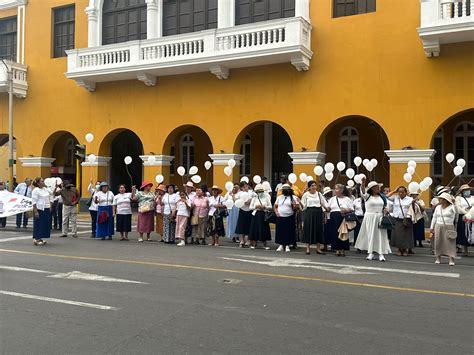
450,157
266,186
407,177
423,186
350,173
91,158
341,166
303,177
58,181
231,163
428,181
318,170
244,179
47,182
410,170
127,160
369,166
196,179
151,159
329,176
229,185
239,203
159,178
245,196
365,162
457,170
357,161
207,165
350,183
412,163
374,162
362,176
228,170
413,187
181,171
257,179
292,178
461,162
193,170
329,167
309,178
89,137
357,179
229,204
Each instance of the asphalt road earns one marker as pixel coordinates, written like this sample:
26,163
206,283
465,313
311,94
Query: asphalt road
83,296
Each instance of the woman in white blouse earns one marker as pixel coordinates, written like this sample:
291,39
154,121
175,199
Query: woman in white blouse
442,224
259,228
105,219
313,227
169,219
123,212
233,214
41,197
244,219
464,202
285,207
217,213
339,205
402,235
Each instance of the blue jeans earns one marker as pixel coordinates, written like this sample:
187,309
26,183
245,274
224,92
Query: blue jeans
18,220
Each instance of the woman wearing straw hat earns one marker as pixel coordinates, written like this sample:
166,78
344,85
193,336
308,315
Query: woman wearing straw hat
217,213
442,227
259,228
159,193
146,209
285,206
372,238
464,202
402,235
105,218
123,212
169,219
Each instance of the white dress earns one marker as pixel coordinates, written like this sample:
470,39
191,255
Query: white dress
371,237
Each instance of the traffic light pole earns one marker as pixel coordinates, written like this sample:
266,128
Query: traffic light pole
79,182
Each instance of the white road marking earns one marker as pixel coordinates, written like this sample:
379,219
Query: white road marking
77,275
345,268
15,238
14,268
59,300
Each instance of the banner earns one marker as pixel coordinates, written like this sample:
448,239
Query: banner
12,204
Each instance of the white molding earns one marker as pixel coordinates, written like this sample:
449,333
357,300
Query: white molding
404,156
147,79
36,162
9,4
307,158
99,161
223,158
20,83
160,160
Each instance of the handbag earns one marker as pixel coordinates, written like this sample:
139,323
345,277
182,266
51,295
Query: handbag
195,218
450,232
407,222
386,222
350,216
145,208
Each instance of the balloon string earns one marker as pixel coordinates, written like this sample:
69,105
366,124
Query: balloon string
129,175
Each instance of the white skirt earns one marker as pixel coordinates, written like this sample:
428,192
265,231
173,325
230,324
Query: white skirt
371,237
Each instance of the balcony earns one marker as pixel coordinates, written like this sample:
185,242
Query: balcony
445,21
20,85
286,40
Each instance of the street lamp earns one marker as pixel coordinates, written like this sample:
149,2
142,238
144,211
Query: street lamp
10,124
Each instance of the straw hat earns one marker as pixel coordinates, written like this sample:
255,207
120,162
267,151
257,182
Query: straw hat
286,187
447,197
189,184
327,190
145,184
215,187
464,188
161,187
103,184
373,184
259,188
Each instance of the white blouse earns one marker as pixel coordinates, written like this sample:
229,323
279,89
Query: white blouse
169,202
105,199
213,202
122,202
313,200
41,198
285,205
358,207
463,203
399,204
448,213
182,208
246,206
335,204
263,201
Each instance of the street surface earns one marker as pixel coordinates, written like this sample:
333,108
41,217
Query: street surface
84,296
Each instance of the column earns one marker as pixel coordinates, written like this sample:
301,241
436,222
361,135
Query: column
225,13
268,150
33,167
93,33
219,162
302,9
399,159
154,165
304,162
154,10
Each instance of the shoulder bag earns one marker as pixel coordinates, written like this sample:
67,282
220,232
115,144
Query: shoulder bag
407,222
450,232
386,221
350,216
195,218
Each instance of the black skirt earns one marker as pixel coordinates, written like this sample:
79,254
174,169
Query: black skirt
243,222
285,233
461,229
313,226
334,224
419,230
259,228
216,226
124,223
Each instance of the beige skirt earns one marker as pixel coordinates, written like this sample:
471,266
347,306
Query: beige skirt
443,245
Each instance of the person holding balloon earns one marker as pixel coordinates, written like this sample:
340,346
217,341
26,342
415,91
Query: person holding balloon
243,199
259,227
93,189
146,210
232,210
464,202
169,200
105,218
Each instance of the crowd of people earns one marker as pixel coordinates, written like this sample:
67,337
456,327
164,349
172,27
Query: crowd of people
378,219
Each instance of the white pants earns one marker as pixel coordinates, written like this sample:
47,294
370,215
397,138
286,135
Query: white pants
69,219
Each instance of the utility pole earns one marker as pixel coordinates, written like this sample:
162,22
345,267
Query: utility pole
10,125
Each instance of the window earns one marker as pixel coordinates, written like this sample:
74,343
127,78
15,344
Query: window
352,7
8,39
63,38
187,151
250,11
438,159
172,165
349,145
184,16
123,20
464,146
245,151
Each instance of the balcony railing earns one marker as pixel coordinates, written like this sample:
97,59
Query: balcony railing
20,84
445,21
285,40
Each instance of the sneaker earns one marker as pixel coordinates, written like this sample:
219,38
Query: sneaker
252,247
287,249
266,248
381,257
140,240
451,263
280,248
437,262
181,244
370,257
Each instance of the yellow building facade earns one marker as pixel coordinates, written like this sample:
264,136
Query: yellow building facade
277,90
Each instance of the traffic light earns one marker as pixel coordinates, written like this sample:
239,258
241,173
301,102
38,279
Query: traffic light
80,152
